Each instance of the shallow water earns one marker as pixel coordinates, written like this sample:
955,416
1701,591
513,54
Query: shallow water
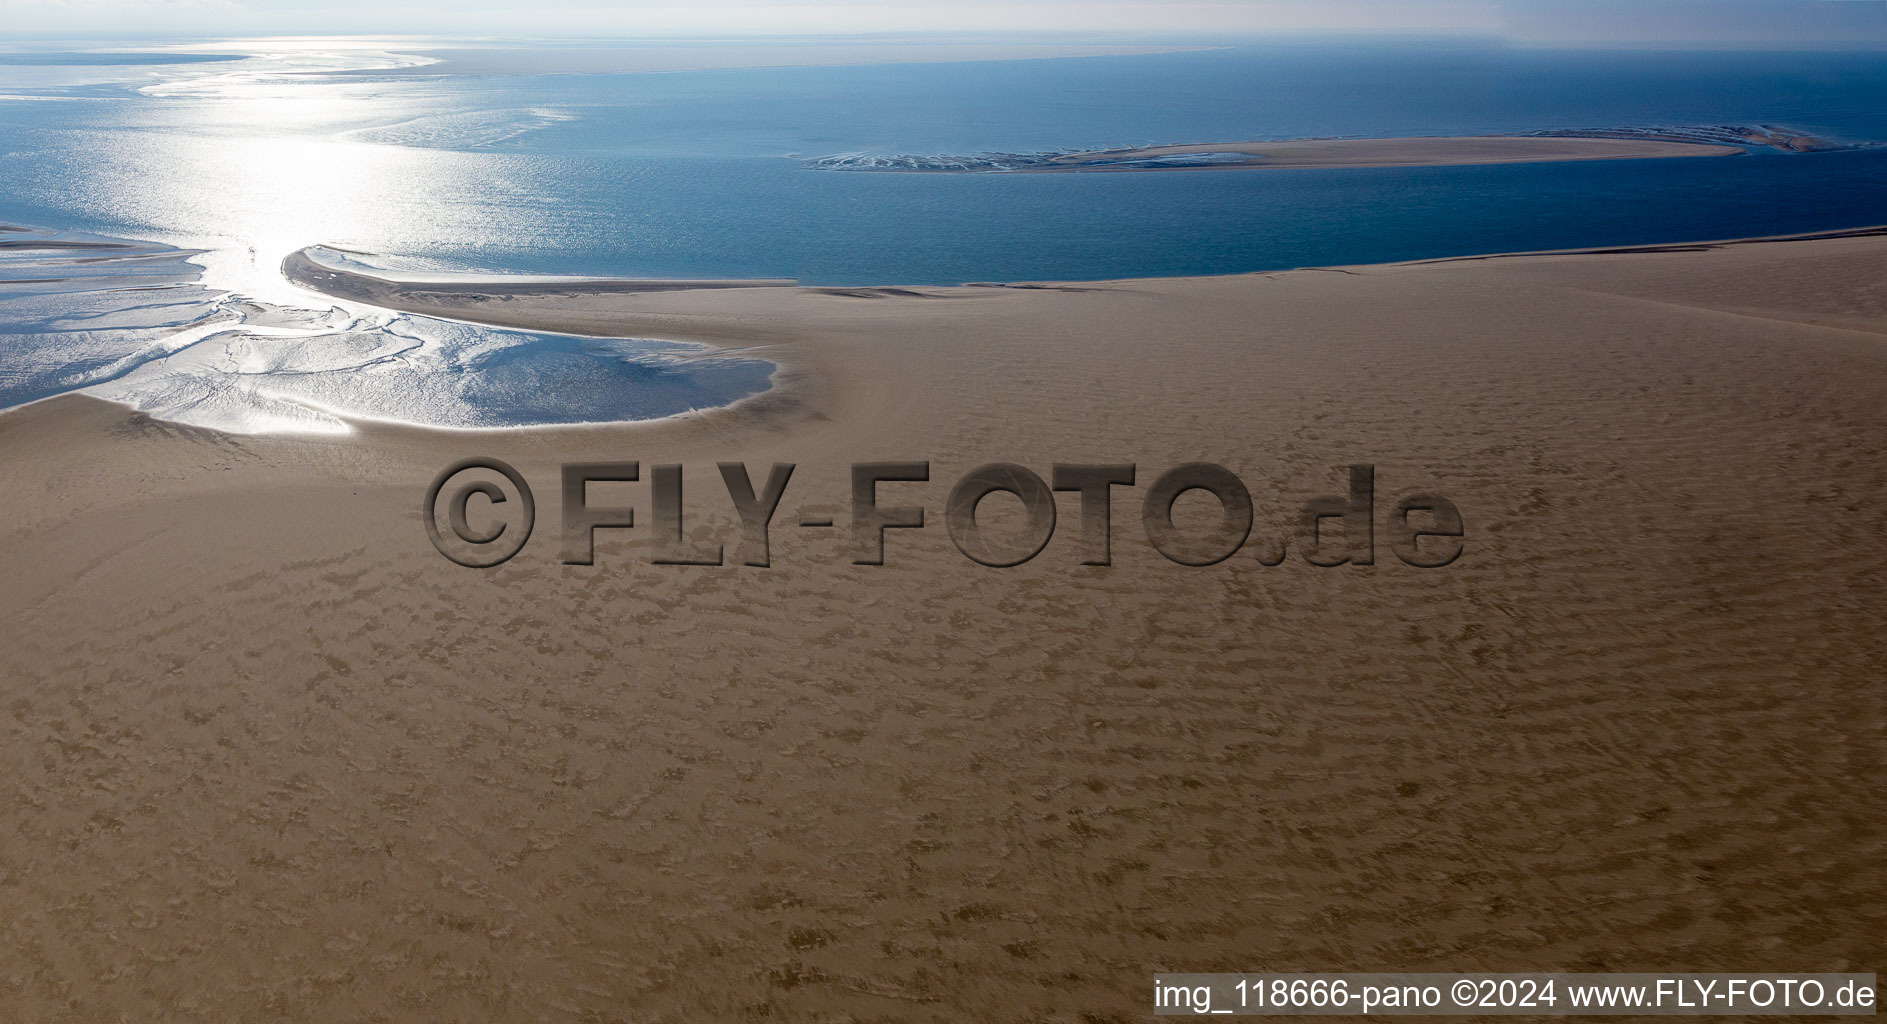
130,322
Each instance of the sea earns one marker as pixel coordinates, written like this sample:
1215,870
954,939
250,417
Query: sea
208,163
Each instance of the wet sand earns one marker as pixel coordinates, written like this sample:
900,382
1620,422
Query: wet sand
272,757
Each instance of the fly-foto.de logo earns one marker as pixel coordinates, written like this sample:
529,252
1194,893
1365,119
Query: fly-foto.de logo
481,512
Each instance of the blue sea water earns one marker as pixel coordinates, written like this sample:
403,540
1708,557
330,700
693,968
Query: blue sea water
702,173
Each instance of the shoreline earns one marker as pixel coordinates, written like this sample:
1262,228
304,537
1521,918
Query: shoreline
304,272
757,313
222,358
813,375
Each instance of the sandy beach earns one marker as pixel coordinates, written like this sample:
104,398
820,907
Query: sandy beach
272,757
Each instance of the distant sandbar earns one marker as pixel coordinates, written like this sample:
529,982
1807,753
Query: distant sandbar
1422,151
1405,152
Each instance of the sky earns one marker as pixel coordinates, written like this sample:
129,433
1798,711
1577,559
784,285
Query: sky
1740,23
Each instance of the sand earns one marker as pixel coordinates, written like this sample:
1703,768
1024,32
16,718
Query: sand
1441,151
1419,151
272,757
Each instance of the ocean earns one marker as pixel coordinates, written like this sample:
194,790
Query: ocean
705,174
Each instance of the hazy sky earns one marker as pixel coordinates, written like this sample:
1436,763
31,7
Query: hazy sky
1581,22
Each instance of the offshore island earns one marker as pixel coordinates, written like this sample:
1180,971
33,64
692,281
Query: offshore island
1547,146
